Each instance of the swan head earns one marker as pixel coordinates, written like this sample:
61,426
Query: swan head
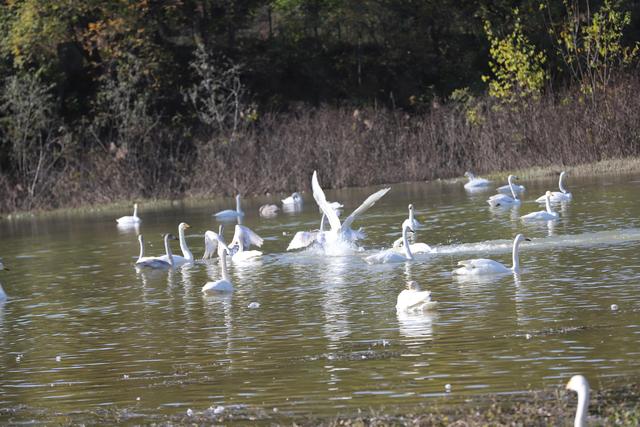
183,226
296,197
170,236
469,175
547,194
511,178
520,237
135,206
410,206
412,285
578,383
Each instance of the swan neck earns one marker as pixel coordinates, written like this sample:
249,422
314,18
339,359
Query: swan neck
561,185
581,411
405,242
141,249
167,248
513,191
238,204
324,217
223,263
183,245
515,256
548,204
135,210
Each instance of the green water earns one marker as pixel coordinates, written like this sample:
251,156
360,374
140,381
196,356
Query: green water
84,331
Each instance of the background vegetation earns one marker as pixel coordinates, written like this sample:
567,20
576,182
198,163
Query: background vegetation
116,99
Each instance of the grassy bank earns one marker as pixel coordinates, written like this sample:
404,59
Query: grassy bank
623,166
609,405
277,153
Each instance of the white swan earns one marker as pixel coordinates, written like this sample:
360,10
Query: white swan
243,238
213,242
548,215
130,219
268,211
391,255
580,385
230,213
475,182
558,196
503,199
416,248
341,232
480,266
506,189
221,285
164,261
303,239
141,257
414,299
294,199
187,256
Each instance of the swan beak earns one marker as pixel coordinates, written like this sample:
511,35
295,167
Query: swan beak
187,226
527,239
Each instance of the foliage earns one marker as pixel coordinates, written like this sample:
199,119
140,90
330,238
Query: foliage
123,124
30,127
517,67
218,97
591,44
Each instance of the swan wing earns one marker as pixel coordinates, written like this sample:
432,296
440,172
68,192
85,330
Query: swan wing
321,200
211,239
302,239
371,200
247,236
413,300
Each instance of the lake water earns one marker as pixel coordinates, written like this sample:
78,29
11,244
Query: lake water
83,331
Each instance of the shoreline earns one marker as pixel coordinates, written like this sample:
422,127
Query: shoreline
614,405
612,167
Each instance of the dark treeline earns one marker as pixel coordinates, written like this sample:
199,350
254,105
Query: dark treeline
106,100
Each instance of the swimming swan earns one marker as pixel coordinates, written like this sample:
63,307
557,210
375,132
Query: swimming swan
303,239
230,213
294,199
416,248
548,215
141,257
130,219
475,182
268,211
341,231
221,285
480,266
580,385
187,256
506,189
164,261
243,238
391,255
558,196
214,243
414,299
503,199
